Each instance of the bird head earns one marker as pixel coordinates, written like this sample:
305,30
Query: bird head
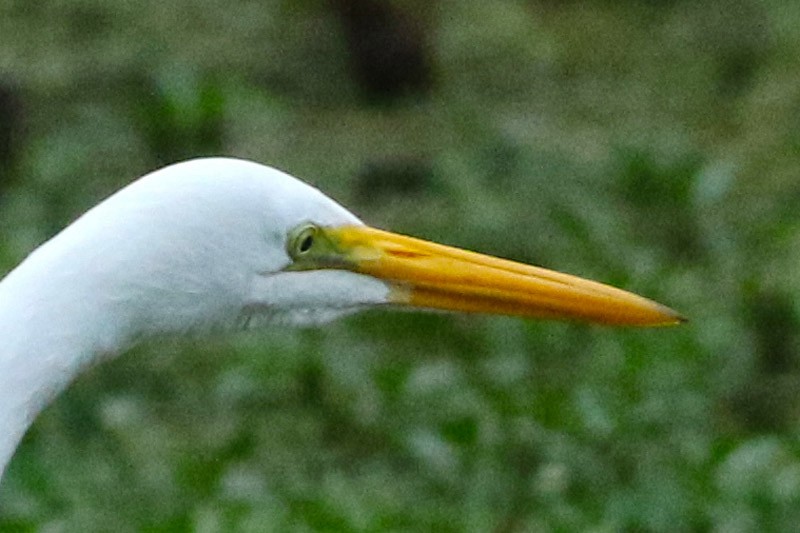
223,241
318,261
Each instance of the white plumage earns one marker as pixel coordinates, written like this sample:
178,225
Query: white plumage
212,244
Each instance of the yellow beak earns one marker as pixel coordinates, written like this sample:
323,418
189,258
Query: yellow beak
429,275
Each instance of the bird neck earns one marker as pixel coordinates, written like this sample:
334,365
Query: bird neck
50,330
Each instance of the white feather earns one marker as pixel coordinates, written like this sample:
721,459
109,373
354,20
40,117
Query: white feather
195,246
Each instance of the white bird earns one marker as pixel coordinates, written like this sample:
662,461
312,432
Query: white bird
227,244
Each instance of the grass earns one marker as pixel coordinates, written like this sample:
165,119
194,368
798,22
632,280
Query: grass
651,145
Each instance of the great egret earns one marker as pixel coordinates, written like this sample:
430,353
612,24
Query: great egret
226,244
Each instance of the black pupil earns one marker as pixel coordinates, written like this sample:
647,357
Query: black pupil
306,243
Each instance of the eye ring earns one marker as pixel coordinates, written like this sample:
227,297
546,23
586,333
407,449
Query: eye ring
303,240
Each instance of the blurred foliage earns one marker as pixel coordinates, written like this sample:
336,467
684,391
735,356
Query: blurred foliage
654,145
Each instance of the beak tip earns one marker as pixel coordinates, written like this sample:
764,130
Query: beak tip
672,317
680,319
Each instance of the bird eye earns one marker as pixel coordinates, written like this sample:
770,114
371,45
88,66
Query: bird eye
305,244
303,240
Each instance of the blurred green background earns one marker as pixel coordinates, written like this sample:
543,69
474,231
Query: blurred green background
650,144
